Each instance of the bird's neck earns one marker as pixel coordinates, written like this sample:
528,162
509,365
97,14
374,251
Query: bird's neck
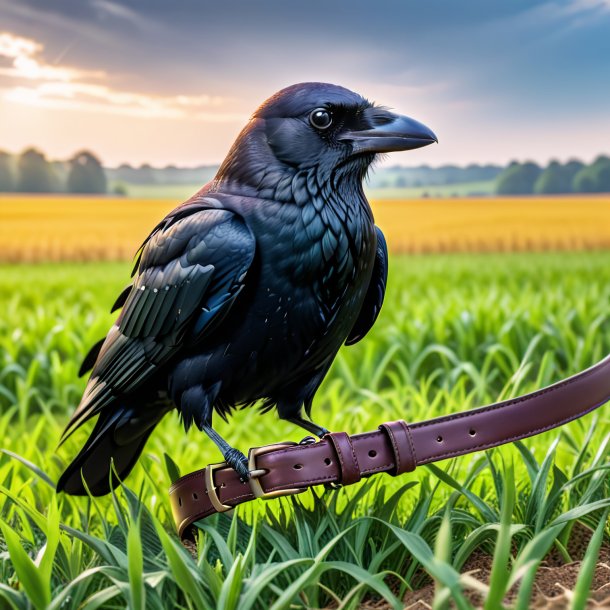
341,191
302,186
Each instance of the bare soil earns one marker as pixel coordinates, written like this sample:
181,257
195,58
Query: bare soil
553,585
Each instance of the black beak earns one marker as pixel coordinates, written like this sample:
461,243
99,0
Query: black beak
388,132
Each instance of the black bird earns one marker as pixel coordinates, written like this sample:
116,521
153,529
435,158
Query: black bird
246,291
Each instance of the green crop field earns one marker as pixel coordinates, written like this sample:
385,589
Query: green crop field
455,332
459,189
180,192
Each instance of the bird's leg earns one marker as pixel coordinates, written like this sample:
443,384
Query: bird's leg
233,457
308,425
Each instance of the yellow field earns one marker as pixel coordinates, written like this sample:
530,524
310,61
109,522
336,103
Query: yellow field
53,228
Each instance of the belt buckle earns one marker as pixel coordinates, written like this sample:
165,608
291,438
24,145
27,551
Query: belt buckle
219,507
255,473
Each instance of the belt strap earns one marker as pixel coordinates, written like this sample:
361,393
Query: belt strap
396,447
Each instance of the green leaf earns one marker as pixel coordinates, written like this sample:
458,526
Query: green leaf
256,585
109,552
527,562
183,570
442,572
137,591
486,512
442,552
311,574
498,578
232,586
13,599
374,582
580,594
35,469
580,511
172,469
52,532
30,577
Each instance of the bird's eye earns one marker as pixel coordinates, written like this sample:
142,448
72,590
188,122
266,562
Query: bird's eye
321,118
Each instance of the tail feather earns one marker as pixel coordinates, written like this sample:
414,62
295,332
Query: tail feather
116,442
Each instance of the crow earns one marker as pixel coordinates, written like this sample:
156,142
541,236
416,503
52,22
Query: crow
244,293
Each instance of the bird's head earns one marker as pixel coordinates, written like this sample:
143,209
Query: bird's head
319,127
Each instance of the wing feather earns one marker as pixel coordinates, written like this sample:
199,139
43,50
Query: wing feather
120,301
374,295
90,358
191,270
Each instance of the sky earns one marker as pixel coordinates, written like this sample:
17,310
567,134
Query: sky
151,81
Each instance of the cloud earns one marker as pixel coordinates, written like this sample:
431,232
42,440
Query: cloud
44,85
100,98
15,46
116,10
574,13
25,64
578,6
108,10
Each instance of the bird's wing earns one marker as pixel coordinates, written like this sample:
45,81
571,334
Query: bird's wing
374,296
190,271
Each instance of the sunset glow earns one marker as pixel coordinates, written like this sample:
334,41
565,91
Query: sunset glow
145,83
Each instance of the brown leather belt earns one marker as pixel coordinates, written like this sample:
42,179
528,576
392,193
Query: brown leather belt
396,447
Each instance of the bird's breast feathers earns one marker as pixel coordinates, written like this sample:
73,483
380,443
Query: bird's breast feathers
322,252
314,242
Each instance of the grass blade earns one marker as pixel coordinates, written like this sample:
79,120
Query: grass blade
581,591
498,578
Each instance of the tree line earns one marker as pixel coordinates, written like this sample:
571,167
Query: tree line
572,177
32,172
398,176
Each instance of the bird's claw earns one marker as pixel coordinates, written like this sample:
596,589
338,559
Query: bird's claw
308,440
239,462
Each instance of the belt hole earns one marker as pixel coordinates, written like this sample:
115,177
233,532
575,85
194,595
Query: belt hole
472,432
439,439
223,484
298,466
372,453
179,501
195,497
327,461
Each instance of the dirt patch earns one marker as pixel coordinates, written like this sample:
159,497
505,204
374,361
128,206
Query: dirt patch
554,582
551,591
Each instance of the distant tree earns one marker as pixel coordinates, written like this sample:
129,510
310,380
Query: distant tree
602,160
124,172
35,174
86,174
120,189
584,181
554,179
572,167
518,179
7,176
600,170
594,178
60,170
145,174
